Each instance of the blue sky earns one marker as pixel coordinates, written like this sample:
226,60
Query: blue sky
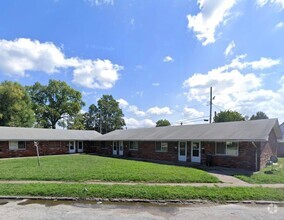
157,58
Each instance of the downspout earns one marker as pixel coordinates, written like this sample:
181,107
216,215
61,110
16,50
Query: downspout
255,155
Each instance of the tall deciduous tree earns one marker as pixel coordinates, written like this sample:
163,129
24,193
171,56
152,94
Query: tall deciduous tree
77,122
109,115
162,122
92,118
226,116
259,115
15,106
53,101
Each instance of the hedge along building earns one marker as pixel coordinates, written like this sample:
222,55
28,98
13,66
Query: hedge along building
17,142
244,144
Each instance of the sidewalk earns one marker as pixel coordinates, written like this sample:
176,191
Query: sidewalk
227,184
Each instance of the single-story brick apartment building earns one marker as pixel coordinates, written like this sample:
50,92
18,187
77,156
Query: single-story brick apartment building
245,144
18,142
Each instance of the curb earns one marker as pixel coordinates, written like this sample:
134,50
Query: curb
123,200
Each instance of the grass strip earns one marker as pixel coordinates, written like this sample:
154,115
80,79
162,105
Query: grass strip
268,175
142,192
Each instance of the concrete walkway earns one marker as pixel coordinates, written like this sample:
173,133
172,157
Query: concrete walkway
228,184
226,175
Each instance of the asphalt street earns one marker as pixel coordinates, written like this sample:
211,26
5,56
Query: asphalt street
26,209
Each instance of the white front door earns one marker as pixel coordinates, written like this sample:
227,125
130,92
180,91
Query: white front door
120,148
80,147
182,151
195,152
72,148
114,148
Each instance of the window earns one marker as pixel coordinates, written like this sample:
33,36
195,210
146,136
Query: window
221,148
161,147
21,145
232,148
227,148
133,145
17,145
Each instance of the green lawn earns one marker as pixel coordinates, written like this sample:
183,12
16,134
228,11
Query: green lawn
266,175
87,167
83,191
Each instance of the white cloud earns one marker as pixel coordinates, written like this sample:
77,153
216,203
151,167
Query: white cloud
212,14
130,108
155,84
192,113
279,25
132,21
100,2
159,111
84,93
100,74
122,103
262,3
229,49
235,90
25,55
133,109
133,123
264,63
168,59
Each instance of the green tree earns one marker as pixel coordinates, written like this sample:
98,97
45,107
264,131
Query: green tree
53,101
77,122
226,116
16,107
259,115
162,122
92,118
109,115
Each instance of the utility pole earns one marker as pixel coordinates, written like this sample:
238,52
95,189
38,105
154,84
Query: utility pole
210,119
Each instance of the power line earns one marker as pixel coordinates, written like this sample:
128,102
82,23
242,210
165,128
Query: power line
219,107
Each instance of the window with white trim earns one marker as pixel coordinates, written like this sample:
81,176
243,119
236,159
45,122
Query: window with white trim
227,148
133,145
161,147
17,145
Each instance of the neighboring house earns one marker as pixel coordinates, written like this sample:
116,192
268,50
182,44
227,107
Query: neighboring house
17,142
244,144
280,152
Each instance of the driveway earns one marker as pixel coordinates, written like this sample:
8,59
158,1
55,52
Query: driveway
73,210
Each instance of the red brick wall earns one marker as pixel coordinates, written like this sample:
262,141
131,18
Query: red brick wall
45,148
103,148
245,159
90,146
268,149
146,150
